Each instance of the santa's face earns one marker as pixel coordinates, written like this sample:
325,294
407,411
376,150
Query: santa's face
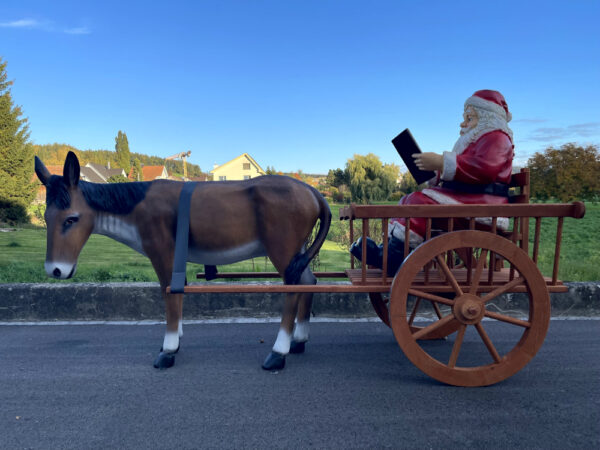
471,119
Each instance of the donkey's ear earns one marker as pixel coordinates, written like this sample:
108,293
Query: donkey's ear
71,170
42,173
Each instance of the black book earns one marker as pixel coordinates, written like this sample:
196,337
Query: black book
406,146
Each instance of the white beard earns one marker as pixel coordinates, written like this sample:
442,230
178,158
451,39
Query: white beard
487,122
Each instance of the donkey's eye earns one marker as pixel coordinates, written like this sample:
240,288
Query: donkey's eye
70,221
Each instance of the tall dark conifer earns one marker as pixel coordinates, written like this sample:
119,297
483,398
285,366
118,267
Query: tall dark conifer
16,157
122,149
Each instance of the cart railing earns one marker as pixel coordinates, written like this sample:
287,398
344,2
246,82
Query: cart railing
450,215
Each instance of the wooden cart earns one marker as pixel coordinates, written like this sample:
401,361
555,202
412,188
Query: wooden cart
446,286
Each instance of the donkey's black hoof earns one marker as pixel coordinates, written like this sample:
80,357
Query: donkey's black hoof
297,347
275,361
164,360
161,350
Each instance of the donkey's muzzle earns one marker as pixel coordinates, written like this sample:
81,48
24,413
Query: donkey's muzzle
61,271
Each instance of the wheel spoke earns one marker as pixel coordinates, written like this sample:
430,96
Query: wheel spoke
488,342
508,319
436,308
478,270
432,297
449,277
414,311
457,345
502,289
434,326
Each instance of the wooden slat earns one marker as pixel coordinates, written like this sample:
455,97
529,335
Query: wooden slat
559,228
226,275
436,280
384,232
536,239
575,210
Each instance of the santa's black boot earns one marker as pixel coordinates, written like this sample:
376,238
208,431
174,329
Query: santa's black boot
374,252
395,255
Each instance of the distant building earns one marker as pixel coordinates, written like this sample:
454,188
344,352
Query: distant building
155,173
97,173
243,167
151,173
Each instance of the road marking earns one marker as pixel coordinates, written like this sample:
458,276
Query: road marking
236,320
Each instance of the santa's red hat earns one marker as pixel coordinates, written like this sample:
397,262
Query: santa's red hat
490,101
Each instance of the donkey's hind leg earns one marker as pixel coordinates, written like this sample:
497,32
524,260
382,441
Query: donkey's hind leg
301,334
276,359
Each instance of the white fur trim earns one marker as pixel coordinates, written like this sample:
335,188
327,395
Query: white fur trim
171,341
398,231
449,171
282,343
301,331
481,103
443,199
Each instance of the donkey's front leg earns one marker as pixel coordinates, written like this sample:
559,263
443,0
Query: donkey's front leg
174,307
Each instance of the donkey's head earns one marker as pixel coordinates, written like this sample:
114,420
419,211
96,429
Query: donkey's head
69,218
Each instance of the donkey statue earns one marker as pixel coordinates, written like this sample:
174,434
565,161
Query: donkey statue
229,221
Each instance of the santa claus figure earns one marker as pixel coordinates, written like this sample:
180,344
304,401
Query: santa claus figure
476,171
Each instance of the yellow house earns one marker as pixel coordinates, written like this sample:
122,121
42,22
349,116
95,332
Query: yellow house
241,168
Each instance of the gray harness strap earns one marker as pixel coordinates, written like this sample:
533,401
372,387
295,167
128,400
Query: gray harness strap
178,280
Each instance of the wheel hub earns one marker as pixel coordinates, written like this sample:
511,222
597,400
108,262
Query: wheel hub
468,309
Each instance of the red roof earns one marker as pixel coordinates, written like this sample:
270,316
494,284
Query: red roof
149,172
152,172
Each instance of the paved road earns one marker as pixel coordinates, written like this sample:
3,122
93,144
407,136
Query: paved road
94,387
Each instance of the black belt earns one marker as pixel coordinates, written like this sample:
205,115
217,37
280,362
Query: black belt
500,189
178,280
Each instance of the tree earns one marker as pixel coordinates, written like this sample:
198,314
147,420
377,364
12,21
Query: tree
566,174
118,179
122,149
338,177
137,174
370,180
16,157
270,171
407,183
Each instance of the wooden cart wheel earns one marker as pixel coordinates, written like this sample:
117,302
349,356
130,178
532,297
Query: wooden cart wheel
380,305
476,357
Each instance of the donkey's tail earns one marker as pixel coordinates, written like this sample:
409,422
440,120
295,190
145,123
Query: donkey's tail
300,261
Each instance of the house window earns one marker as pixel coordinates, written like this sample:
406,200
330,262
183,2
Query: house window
222,178
246,166
246,177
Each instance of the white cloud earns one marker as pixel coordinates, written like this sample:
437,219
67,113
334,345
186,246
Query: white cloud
22,23
47,26
78,30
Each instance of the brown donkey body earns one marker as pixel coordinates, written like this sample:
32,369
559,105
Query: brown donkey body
229,221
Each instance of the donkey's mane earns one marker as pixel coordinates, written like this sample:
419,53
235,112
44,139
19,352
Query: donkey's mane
117,198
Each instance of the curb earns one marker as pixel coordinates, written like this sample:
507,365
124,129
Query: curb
142,301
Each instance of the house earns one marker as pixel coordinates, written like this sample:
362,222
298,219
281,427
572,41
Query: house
97,173
150,173
241,168
154,173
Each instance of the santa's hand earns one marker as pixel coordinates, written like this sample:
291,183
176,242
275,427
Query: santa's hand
429,161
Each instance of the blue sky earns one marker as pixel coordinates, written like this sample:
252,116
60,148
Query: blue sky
299,84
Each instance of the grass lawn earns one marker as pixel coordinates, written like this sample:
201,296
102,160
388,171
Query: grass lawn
22,255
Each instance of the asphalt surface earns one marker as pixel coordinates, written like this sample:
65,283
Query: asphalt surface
94,386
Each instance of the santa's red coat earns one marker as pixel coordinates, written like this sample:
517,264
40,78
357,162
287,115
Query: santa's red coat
487,160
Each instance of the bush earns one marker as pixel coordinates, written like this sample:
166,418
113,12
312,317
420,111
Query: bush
13,213
396,196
